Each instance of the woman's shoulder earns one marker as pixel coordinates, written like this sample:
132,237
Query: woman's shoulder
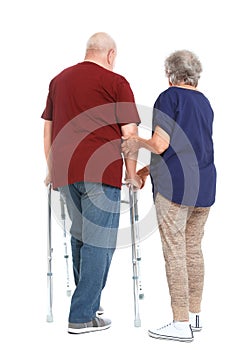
167,96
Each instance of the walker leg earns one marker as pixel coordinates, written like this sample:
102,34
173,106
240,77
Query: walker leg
66,256
138,253
49,258
135,261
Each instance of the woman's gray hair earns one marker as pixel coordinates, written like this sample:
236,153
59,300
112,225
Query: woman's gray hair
183,66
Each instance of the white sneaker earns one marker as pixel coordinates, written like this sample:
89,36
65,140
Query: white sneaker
180,331
195,322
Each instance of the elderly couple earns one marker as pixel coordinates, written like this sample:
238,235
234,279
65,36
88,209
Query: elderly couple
90,120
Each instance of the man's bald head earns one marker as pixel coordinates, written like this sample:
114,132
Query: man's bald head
101,49
101,41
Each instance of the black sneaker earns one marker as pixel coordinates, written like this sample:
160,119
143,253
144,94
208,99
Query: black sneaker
97,324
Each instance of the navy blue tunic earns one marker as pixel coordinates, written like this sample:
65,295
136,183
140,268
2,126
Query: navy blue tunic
185,173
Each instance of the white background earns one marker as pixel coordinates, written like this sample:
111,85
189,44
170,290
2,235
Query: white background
38,40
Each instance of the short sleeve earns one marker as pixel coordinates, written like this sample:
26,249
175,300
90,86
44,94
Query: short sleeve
163,114
48,111
126,110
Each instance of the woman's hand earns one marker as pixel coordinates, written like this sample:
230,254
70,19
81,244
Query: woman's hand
143,173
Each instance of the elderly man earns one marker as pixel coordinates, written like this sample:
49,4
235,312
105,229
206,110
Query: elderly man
89,109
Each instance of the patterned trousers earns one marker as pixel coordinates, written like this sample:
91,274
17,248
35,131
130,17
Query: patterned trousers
181,229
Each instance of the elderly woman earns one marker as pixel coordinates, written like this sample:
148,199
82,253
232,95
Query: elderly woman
183,178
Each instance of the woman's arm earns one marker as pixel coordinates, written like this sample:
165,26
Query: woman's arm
157,144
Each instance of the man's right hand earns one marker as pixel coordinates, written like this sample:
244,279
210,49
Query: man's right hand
135,181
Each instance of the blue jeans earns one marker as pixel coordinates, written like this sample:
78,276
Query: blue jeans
94,210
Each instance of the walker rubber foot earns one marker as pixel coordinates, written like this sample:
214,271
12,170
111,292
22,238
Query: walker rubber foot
141,296
137,323
49,318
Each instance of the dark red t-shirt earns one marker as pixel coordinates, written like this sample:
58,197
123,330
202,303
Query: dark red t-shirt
88,104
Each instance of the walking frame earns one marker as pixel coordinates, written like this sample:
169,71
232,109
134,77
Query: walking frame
49,256
50,253
136,256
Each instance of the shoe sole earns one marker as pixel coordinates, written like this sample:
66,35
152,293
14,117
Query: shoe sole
165,337
195,329
87,330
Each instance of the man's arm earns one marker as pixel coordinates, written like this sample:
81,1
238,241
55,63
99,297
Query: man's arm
47,148
131,130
